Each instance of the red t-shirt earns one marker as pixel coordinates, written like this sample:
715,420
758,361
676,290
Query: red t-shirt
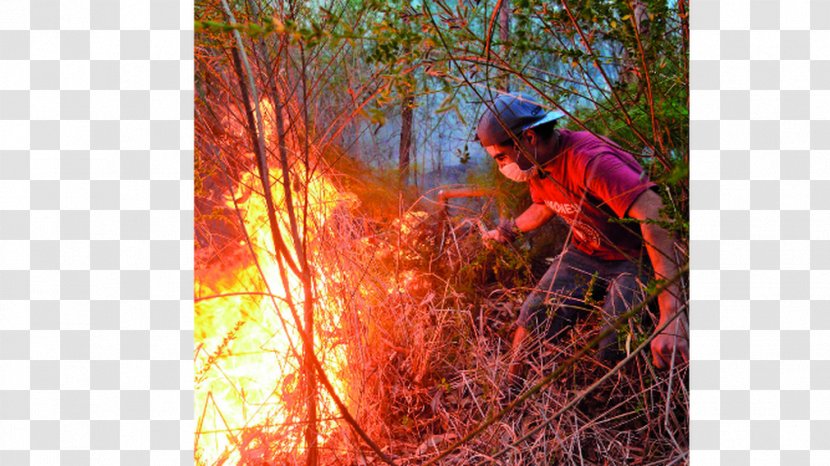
589,182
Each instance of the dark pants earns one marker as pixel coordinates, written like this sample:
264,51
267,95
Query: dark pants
559,298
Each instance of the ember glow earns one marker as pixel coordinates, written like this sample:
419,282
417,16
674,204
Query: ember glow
249,399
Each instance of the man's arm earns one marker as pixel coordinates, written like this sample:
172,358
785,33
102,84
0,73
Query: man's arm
535,216
660,244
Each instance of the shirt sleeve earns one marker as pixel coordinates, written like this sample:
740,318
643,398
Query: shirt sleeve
614,182
535,195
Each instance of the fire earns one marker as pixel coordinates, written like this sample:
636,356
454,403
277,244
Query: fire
248,398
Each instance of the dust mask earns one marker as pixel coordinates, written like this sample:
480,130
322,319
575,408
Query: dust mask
513,172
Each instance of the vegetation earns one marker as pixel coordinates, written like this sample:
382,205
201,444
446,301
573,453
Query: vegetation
344,315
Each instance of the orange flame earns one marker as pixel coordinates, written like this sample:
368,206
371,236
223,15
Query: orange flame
247,369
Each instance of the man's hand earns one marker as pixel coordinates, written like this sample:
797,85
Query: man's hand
506,232
674,339
494,235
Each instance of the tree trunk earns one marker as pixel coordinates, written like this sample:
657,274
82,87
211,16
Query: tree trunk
504,34
406,138
311,376
630,65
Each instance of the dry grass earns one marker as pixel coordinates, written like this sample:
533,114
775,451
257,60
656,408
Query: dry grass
428,363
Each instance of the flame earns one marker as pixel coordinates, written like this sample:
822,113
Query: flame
248,399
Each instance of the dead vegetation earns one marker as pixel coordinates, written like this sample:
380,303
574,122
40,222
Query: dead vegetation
432,365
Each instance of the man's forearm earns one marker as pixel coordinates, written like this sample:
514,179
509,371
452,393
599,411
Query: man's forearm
535,216
660,247
673,339
508,230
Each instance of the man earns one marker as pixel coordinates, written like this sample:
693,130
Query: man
588,181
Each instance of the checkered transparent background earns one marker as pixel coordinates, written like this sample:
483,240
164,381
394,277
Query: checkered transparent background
760,238
96,236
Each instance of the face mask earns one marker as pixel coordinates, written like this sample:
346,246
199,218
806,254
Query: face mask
513,172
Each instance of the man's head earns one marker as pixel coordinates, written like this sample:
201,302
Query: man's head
512,126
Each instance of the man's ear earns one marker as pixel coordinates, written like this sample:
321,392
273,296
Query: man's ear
531,137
